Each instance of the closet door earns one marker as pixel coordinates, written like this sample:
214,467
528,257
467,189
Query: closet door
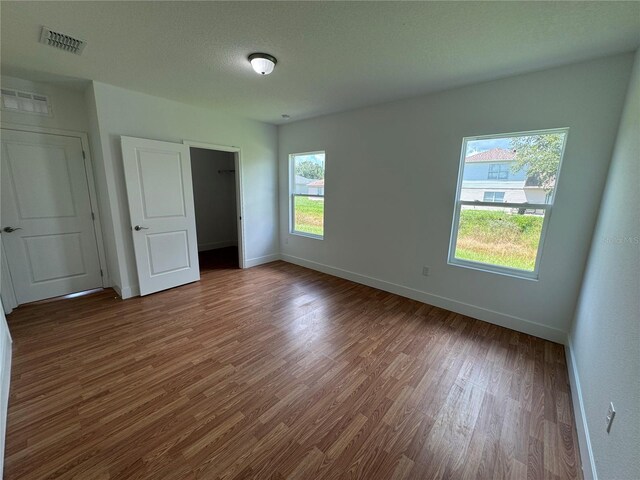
163,225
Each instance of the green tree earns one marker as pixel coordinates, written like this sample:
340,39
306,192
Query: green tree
309,169
540,155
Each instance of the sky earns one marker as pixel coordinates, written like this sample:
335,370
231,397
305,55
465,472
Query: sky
475,146
315,158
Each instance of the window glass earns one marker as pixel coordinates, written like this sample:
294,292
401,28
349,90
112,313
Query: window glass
520,172
493,197
307,193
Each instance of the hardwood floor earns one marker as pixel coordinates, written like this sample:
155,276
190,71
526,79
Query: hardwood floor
281,372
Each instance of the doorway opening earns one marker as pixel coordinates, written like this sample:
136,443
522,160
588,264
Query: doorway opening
216,200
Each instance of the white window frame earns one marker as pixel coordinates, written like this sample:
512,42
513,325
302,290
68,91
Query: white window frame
292,195
547,207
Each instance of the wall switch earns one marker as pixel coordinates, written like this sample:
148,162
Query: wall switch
425,271
610,416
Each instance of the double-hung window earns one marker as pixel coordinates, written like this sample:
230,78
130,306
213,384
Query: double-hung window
504,232
306,180
498,171
493,197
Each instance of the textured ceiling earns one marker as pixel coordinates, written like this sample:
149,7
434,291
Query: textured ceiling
332,56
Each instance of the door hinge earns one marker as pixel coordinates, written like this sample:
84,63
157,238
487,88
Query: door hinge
101,273
93,216
84,155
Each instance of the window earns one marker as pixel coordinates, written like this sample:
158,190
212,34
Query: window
307,193
493,197
506,238
498,171
25,102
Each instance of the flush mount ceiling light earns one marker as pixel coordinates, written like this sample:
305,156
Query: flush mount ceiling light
262,63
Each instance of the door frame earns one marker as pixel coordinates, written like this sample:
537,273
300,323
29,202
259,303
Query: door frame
237,160
93,196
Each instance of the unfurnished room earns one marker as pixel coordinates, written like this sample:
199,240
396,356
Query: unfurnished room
375,240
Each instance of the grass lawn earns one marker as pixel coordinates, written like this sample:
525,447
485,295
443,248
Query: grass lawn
499,238
309,215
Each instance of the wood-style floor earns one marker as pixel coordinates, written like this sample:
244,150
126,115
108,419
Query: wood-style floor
281,372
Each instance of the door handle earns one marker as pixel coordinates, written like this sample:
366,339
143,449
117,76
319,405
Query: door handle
137,228
11,229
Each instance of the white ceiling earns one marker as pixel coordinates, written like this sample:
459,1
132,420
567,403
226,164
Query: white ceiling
332,56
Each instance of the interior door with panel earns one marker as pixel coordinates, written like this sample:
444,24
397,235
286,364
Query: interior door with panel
47,220
163,222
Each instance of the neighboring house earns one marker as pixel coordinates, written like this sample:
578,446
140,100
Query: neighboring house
301,184
316,187
489,177
309,186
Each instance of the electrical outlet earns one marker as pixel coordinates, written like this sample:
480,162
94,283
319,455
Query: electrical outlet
426,270
610,416
286,240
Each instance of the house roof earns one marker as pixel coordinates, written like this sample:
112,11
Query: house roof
495,154
316,183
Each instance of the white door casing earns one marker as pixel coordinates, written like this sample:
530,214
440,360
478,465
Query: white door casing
45,198
163,222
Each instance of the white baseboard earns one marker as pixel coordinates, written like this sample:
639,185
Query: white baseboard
252,262
497,318
584,441
126,292
117,289
203,247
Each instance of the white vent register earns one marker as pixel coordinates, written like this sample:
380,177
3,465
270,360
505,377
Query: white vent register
62,41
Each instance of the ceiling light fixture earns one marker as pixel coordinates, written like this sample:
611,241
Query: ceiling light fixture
263,63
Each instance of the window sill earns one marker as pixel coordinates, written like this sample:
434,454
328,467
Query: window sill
484,267
307,235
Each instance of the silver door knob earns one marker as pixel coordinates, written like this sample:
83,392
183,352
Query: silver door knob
10,229
137,228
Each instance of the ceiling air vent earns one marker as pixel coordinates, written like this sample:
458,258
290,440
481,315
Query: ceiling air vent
62,41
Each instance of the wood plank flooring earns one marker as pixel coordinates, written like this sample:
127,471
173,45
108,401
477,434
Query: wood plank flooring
281,372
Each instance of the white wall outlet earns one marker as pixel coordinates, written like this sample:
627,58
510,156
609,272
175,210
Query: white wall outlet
426,270
286,240
610,416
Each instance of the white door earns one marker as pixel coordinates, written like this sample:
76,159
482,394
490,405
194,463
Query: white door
163,220
47,223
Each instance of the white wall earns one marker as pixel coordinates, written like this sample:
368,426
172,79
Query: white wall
5,375
391,173
104,184
68,106
605,337
123,112
214,196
